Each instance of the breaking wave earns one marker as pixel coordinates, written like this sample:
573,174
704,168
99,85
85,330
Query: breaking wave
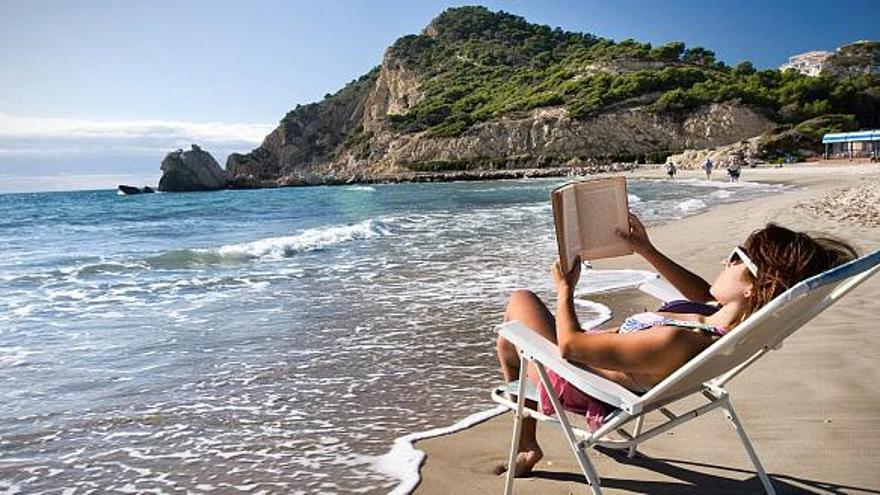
271,248
691,205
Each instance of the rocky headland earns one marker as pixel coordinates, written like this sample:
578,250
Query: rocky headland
483,95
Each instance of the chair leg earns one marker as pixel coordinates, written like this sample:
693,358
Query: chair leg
638,431
581,456
517,426
734,420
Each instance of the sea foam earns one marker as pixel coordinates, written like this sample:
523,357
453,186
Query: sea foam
404,460
271,248
691,205
307,240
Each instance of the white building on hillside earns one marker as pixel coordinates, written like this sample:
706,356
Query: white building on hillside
809,63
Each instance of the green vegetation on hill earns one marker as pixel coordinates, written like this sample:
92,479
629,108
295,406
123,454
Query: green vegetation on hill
477,65
805,136
854,59
791,96
317,129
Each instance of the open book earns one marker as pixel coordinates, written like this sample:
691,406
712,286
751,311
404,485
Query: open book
587,215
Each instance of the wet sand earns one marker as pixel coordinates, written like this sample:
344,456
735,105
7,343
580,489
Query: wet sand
812,409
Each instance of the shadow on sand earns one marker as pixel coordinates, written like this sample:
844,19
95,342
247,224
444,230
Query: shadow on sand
690,481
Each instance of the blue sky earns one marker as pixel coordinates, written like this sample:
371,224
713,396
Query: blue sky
104,88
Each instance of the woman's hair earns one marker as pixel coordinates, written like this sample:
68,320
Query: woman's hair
785,257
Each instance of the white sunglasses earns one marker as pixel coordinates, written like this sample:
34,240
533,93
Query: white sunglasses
740,253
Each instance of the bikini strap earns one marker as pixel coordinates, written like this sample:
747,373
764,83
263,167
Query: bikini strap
696,326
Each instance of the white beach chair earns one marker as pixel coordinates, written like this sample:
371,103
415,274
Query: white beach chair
706,374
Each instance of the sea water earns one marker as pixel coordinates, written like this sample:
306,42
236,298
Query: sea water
267,340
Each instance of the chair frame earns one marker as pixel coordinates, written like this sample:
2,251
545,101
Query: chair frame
632,408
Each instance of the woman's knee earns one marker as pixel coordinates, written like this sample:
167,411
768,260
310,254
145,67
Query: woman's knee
528,308
522,298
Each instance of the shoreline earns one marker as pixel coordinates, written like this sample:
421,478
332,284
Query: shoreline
635,170
462,461
440,176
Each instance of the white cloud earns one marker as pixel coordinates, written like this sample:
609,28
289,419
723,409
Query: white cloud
28,135
62,182
60,154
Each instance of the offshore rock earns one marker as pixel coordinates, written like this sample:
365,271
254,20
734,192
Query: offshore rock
128,190
193,170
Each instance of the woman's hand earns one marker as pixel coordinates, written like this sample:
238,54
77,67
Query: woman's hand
566,281
637,237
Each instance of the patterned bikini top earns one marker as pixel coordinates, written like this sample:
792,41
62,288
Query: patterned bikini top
642,321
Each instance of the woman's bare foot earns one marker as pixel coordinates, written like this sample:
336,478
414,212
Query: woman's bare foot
526,459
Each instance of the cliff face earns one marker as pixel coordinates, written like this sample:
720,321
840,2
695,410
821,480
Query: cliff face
548,136
395,91
355,134
308,138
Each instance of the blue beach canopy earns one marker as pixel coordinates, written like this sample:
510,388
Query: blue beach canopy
850,137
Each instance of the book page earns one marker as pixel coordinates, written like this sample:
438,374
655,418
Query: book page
602,208
587,216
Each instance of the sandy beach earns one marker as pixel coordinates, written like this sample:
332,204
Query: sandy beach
812,409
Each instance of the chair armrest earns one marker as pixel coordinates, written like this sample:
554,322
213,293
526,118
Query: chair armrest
536,347
595,281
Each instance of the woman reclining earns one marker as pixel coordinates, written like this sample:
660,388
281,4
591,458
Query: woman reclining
648,347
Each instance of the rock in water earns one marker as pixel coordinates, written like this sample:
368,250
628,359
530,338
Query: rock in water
135,190
194,170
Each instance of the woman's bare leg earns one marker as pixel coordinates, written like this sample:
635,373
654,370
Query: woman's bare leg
526,307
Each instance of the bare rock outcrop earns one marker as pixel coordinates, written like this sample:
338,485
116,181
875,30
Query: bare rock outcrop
545,137
193,170
551,134
747,149
307,138
396,90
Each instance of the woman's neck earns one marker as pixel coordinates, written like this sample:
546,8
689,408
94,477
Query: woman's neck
728,316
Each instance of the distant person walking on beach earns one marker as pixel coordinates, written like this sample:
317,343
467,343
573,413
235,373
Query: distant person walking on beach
734,169
670,170
708,168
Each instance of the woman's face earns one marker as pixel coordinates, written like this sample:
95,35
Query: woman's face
733,283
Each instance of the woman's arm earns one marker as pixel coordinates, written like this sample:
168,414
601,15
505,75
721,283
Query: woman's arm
568,328
691,285
657,351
